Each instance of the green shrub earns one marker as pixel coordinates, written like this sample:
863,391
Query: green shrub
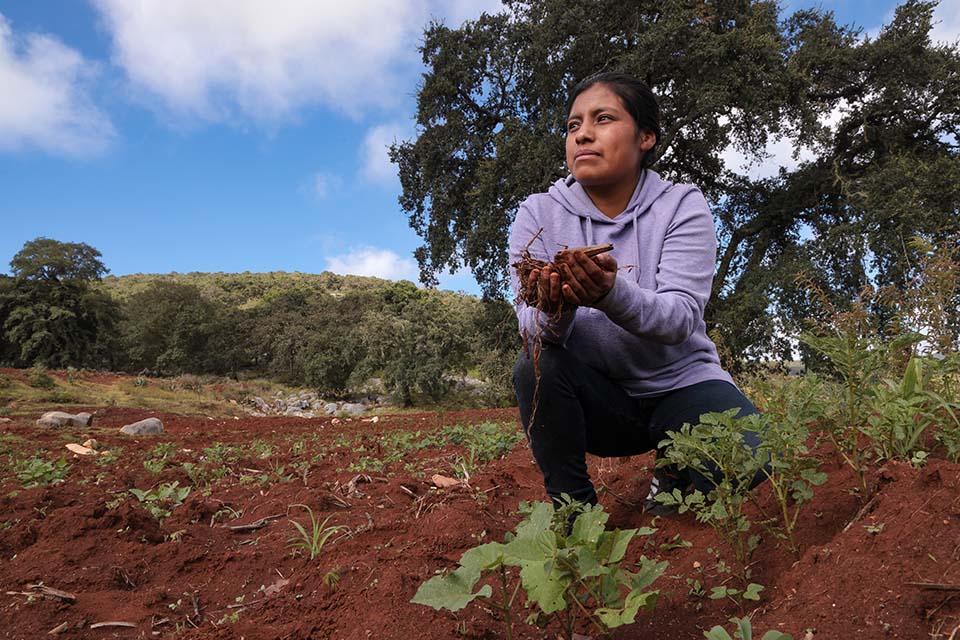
39,379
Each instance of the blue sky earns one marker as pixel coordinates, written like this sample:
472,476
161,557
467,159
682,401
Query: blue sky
230,135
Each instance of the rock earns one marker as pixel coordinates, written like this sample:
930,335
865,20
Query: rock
61,419
372,386
330,408
444,482
147,427
353,409
80,450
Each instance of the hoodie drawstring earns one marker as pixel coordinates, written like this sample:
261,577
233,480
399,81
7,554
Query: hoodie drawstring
636,229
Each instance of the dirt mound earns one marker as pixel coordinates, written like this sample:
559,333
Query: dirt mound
221,565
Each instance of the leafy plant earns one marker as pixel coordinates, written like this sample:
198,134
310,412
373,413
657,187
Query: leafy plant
791,472
565,576
716,450
37,472
901,411
744,631
859,353
312,541
162,499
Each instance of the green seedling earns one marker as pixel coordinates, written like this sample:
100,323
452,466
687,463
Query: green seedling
676,542
162,499
744,631
565,576
312,540
737,596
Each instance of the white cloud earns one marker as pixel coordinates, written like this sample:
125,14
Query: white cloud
323,184
216,60
265,60
376,159
778,153
455,12
947,17
370,261
46,102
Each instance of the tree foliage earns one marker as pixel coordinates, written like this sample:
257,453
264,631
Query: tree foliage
171,328
49,312
876,119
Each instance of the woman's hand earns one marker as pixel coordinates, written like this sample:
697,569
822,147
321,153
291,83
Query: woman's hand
586,279
549,291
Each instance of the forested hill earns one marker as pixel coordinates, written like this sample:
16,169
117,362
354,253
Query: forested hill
325,331
247,290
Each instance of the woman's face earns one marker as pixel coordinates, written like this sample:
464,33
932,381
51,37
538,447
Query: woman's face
604,147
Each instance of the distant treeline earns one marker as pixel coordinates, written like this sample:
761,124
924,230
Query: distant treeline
325,331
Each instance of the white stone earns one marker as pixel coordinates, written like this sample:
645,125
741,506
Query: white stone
146,427
62,419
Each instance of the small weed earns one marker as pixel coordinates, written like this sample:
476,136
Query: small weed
332,578
159,455
228,618
262,449
312,541
676,542
108,457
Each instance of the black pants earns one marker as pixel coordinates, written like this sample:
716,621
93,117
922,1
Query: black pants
579,411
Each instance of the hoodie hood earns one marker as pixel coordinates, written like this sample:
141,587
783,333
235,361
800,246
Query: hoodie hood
573,199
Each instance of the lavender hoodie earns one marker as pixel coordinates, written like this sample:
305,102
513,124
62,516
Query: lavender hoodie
647,334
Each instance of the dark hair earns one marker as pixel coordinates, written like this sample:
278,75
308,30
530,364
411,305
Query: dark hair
636,96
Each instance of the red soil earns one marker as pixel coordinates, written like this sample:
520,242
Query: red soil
124,565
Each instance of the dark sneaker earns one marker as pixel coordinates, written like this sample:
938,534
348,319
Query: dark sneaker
664,480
